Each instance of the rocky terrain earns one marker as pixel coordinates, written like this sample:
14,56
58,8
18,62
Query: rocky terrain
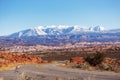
67,62
8,60
82,46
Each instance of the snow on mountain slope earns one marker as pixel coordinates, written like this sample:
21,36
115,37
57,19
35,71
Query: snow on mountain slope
56,30
28,32
77,29
97,28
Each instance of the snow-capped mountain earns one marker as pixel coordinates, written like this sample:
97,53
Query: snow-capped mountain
56,30
60,35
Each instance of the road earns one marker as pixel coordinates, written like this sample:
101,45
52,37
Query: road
54,72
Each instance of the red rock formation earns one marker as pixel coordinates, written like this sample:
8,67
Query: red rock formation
77,60
19,58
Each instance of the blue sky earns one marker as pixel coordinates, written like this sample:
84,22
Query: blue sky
16,15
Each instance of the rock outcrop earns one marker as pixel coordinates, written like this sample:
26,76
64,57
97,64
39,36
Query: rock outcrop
77,60
7,59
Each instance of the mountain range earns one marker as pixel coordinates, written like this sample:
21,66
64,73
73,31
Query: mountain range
60,35
56,30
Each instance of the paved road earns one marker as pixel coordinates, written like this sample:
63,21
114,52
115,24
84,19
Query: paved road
55,72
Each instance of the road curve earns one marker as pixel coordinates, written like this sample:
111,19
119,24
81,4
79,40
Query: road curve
55,72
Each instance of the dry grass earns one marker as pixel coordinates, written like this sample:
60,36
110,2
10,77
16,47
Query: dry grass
8,67
54,62
37,66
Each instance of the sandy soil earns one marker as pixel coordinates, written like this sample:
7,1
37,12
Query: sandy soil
54,72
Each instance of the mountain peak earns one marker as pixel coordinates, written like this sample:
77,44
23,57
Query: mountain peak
56,30
97,28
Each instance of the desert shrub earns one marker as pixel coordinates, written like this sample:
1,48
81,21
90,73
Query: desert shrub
105,67
22,76
83,66
96,59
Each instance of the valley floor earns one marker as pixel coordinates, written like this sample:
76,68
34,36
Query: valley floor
54,72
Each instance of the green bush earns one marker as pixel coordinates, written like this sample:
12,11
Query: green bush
96,59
